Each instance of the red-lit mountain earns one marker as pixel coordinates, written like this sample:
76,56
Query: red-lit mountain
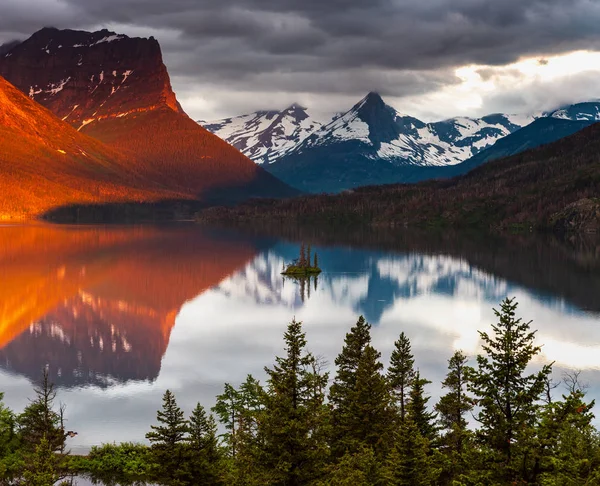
46,163
117,89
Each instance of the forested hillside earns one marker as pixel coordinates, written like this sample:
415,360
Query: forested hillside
555,186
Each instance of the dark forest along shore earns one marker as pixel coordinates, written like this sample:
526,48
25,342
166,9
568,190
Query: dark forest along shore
121,314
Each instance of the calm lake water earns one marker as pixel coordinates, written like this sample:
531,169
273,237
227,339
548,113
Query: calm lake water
119,314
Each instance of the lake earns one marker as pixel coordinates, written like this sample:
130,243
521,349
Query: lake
119,314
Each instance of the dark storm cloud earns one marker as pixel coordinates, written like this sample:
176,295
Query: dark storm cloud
288,43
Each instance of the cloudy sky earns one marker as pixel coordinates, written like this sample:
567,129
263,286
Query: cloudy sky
429,58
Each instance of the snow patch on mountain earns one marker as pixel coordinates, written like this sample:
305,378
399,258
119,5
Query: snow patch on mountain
266,136
384,133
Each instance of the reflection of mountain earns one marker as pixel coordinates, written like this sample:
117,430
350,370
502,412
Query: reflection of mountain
369,282
552,266
98,305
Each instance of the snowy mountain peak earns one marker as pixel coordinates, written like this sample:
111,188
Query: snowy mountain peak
265,136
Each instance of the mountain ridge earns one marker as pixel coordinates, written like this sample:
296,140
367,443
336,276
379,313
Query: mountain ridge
117,89
373,143
45,163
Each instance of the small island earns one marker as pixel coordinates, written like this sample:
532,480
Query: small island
304,266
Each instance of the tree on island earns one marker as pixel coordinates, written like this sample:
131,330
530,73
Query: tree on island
303,267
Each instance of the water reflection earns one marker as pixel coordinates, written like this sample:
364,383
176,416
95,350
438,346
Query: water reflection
121,314
98,305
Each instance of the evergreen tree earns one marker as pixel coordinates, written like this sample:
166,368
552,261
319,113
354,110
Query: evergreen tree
8,434
420,416
40,419
458,457
360,468
455,404
410,463
246,468
42,465
167,439
361,414
401,373
302,261
294,448
507,396
204,456
227,409
308,256
316,260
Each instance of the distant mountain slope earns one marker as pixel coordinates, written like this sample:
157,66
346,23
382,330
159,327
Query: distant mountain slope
579,111
374,144
8,46
553,186
541,132
117,89
265,136
45,163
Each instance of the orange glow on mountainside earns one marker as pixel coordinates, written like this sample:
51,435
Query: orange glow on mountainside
45,163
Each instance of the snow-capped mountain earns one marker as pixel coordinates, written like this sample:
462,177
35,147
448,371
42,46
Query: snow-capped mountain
374,144
587,111
266,136
402,139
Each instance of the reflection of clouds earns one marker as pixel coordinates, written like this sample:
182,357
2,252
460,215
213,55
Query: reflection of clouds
236,328
422,273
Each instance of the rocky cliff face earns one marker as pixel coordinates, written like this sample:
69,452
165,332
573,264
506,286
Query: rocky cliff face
117,90
83,77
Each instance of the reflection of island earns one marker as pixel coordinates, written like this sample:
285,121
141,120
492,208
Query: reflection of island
555,266
98,304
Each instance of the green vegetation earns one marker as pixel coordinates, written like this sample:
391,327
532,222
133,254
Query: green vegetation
370,427
304,266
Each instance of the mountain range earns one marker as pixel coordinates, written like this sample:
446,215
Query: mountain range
110,96
373,143
91,118
551,187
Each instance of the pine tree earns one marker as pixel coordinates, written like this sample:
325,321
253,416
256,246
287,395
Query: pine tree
340,392
316,260
401,373
39,419
294,447
360,468
570,445
167,439
227,409
249,444
42,465
455,404
417,410
8,435
507,396
458,455
359,397
308,256
410,463
302,261
204,460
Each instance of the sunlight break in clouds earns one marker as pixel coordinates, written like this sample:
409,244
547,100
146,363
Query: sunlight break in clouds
529,86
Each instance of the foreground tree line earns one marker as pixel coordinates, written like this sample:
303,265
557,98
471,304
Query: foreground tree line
497,423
